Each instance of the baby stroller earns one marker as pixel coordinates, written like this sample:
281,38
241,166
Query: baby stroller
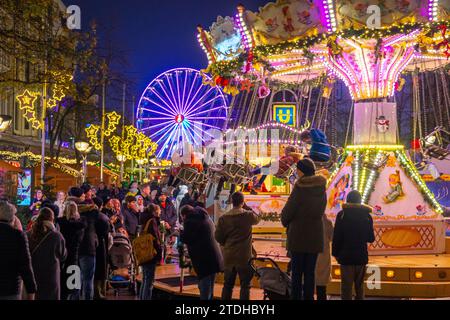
122,267
275,283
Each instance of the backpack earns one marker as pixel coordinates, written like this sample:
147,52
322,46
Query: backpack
143,246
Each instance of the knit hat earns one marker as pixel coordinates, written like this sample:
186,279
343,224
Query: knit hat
306,166
354,197
76,192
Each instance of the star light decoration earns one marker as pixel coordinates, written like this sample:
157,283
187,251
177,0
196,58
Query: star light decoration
28,98
93,129
27,104
134,145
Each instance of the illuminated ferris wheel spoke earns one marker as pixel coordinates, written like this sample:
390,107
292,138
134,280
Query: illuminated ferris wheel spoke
189,95
157,133
210,102
168,132
178,90
177,108
205,125
206,118
194,97
168,107
184,91
207,111
199,100
162,113
167,96
170,139
169,81
201,129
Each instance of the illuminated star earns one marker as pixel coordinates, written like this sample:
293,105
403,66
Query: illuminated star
29,115
27,100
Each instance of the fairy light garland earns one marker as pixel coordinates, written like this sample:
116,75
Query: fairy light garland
433,10
262,52
415,175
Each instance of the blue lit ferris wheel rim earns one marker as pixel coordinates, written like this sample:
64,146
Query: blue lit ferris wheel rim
177,107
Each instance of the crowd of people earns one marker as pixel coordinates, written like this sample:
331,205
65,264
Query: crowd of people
74,232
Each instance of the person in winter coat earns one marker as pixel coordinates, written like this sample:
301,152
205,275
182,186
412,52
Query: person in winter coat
146,194
323,266
103,192
131,216
168,212
72,229
150,221
204,251
352,232
15,261
102,228
302,216
88,250
234,234
48,253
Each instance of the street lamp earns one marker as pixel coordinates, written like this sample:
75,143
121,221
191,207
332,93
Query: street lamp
5,122
121,158
141,162
84,148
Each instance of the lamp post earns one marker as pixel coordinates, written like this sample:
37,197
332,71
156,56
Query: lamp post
84,148
121,158
141,162
5,122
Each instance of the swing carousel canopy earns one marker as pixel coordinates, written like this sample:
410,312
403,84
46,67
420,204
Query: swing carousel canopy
365,43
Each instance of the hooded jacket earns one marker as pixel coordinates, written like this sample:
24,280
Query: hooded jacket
302,215
204,251
234,234
352,231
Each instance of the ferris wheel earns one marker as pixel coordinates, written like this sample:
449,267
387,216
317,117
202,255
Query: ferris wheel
177,107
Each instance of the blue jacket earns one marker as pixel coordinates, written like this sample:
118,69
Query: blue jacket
320,148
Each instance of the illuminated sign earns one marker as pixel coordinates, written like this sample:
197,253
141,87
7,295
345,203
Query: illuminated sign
285,114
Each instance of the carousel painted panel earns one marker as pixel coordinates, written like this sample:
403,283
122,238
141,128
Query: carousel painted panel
358,13
338,189
226,40
396,197
269,208
286,20
408,237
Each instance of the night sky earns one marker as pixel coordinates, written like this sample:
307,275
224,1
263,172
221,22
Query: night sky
154,35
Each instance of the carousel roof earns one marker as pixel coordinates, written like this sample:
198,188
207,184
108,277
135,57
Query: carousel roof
295,40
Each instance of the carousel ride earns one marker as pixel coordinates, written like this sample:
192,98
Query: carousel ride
308,49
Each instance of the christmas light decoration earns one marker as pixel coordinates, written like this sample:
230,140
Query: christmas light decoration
26,102
92,130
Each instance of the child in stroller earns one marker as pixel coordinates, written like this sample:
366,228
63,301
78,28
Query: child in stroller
122,269
275,283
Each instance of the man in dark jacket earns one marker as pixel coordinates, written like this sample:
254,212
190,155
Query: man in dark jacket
131,216
204,251
15,261
103,192
102,228
234,234
88,247
352,232
302,216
